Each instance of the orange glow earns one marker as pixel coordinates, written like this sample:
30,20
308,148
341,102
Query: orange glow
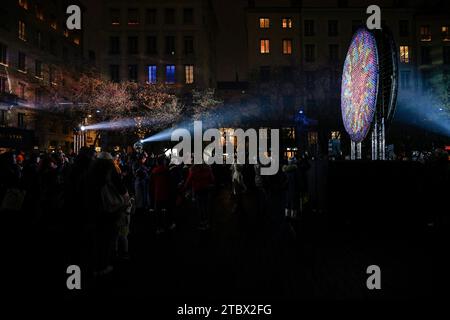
264,46
404,54
445,33
264,23
287,46
286,23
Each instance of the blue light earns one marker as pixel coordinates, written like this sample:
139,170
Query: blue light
170,73
152,74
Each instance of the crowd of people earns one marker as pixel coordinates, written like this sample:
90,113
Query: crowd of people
94,196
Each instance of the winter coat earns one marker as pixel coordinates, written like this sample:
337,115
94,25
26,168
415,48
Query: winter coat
160,183
200,178
141,186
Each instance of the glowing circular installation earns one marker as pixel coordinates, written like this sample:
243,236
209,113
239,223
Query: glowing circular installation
360,85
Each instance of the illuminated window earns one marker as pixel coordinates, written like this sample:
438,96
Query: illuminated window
404,54
3,54
115,16
335,134
133,17
425,33
170,74
23,4
264,23
287,46
152,78
264,46
189,74
76,40
445,33
22,35
286,23
66,33
313,138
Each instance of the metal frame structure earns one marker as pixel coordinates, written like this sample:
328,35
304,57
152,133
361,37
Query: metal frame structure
387,89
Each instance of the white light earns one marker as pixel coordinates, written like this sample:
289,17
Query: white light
83,128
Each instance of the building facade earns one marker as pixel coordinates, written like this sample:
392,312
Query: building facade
156,41
38,55
296,51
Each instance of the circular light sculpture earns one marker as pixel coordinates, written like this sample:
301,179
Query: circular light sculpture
360,85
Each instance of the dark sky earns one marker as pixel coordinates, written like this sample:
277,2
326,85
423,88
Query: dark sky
231,40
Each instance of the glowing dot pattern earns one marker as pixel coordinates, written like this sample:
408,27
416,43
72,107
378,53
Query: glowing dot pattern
360,85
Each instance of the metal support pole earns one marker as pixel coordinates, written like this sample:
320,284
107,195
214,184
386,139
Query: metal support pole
359,151
352,150
375,142
382,148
